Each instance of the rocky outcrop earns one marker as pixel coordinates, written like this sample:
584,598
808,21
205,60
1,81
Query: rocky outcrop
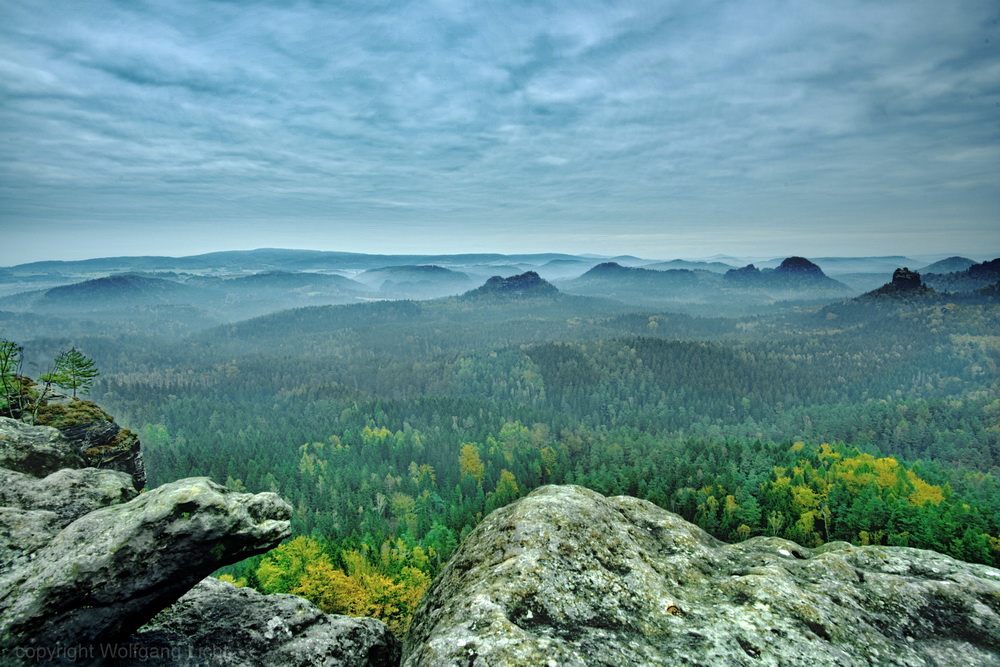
105,574
98,439
905,280
35,450
566,576
906,286
217,623
528,284
69,493
85,561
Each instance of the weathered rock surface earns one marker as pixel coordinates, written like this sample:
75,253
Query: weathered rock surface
566,576
69,493
216,623
35,450
23,532
110,571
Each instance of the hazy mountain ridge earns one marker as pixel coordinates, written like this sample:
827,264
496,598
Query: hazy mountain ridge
712,292
974,277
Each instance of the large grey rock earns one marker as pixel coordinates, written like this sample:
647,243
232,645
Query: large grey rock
70,493
35,450
105,444
107,573
22,533
568,577
85,561
217,624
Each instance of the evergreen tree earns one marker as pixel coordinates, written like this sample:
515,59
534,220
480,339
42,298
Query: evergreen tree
74,371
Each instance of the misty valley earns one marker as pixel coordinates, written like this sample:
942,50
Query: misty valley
395,401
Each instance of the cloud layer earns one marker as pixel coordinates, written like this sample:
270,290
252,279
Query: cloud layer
637,126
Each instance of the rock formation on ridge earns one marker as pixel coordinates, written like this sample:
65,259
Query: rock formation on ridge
566,576
85,560
528,284
906,280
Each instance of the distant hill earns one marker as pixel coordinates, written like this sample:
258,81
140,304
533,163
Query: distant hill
646,287
268,259
564,268
416,281
969,280
425,271
715,267
525,285
702,291
949,265
297,280
614,276
120,291
794,273
837,265
197,301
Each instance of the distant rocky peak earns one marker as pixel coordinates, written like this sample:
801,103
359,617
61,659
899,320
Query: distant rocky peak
799,266
906,280
746,271
990,269
525,284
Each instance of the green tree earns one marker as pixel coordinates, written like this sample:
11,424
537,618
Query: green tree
73,370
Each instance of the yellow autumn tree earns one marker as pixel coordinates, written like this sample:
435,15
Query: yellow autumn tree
286,565
469,462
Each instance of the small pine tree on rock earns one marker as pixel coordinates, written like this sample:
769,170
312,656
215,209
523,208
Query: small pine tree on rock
74,371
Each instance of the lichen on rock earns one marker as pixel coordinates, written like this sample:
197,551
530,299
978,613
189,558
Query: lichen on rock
569,577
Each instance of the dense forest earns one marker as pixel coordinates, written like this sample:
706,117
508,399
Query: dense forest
393,427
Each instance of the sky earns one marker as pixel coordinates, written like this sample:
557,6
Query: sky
655,128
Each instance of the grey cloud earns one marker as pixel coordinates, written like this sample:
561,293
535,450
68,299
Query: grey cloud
534,115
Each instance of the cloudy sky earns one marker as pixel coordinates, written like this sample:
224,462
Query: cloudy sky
657,128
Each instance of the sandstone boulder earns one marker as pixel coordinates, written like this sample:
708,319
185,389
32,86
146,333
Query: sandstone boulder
96,436
70,493
216,623
35,450
566,576
108,572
